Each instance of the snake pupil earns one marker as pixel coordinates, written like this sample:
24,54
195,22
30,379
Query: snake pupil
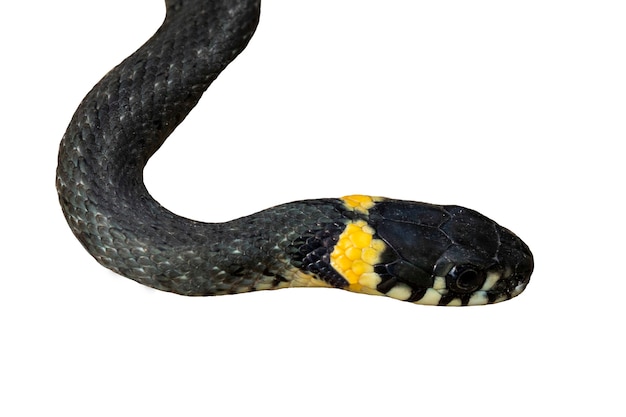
468,279
465,279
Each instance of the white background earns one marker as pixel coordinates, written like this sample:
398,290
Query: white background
515,109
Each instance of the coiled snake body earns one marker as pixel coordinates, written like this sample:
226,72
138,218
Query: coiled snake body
429,254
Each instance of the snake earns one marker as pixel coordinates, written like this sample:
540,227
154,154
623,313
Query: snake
417,252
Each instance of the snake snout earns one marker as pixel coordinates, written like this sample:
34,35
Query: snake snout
518,264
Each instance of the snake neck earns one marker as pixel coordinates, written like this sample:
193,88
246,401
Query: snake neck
124,120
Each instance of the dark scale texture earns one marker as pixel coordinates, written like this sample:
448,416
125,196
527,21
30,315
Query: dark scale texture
124,120
311,251
128,115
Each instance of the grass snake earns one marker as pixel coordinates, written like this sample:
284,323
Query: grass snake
416,252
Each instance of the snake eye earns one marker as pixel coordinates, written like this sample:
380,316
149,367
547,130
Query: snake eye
464,279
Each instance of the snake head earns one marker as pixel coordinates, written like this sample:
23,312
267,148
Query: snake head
487,264
447,255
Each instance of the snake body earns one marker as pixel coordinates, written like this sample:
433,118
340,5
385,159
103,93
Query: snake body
423,253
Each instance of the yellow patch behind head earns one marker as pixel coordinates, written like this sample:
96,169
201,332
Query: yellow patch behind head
355,255
360,203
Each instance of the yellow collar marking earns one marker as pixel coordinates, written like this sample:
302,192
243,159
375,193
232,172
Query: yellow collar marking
360,203
355,255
